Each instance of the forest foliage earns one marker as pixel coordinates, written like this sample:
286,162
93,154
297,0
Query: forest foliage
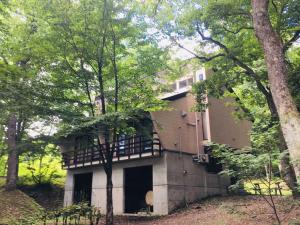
70,65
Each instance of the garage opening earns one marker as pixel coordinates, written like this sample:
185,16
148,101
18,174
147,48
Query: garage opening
138,184
83,188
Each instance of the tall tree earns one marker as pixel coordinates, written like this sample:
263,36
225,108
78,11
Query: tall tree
27,94
100,51
277,73
12,65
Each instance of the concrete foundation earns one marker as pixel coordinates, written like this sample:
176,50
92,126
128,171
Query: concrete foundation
177,180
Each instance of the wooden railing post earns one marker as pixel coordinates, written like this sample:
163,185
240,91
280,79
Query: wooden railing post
159,148
128,150
92,155
152,146
140,146
118,150
75,158
136,145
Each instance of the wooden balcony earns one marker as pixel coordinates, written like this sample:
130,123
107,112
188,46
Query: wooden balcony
125,149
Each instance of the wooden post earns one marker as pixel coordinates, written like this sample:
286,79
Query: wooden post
118,150
152,149
84,156
159,147
140,147
92,155
75,158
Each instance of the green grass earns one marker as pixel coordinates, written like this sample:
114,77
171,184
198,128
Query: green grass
3,160
249,186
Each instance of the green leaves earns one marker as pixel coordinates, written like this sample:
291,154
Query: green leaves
245,164
95,125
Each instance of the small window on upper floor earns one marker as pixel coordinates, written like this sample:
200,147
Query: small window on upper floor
190,81
183,84
200,76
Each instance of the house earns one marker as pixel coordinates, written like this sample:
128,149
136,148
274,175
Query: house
170,165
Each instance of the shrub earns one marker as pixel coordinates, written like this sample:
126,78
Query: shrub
73,215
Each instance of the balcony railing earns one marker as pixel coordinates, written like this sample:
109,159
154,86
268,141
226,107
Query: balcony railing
125,149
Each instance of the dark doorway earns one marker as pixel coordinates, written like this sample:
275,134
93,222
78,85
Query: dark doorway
83,188
138,181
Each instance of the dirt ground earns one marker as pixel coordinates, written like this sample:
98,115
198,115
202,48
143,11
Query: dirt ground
231,210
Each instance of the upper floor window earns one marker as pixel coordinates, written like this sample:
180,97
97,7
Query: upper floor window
200,76
186,82
182,84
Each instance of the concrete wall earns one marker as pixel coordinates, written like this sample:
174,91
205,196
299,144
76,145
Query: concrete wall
176,180
99,185
188,181
178,132
177,127
224,128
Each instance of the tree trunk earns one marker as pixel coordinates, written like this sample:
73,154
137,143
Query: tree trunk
286,169
13,158
109,196
287,172
277,75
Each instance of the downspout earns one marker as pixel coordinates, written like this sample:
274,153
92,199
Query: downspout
183,169
204,137
197,134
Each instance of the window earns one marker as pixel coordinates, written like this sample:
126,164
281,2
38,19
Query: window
185,83
182,84
200,76
190,81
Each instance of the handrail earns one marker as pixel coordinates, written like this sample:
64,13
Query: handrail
135,145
